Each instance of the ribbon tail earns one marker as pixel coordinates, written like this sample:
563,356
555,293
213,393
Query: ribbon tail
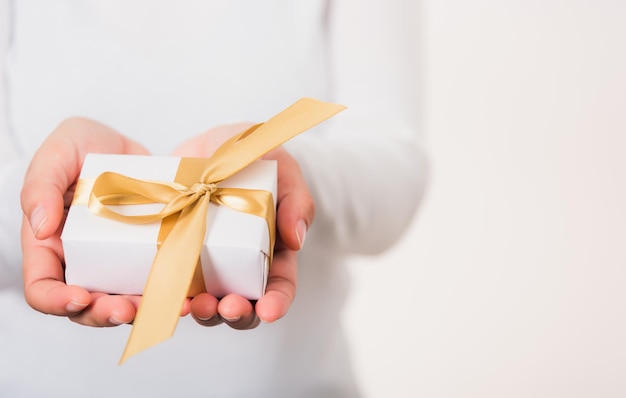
170,277
242,149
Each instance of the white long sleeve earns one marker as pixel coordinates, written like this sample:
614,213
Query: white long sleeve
368,171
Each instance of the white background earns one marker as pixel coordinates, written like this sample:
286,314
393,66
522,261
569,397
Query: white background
510,282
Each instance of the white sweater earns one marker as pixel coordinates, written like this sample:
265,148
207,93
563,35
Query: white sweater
161,72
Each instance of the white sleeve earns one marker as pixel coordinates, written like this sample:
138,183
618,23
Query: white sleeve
368,172
12,169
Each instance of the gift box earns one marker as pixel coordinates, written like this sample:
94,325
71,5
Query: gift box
110,256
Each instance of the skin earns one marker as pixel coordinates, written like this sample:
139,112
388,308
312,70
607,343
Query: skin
47,193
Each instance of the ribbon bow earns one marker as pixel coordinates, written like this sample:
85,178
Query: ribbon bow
186,204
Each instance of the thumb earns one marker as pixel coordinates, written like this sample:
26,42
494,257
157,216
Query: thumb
54,169
296,208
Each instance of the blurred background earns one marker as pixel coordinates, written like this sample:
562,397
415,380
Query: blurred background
510,282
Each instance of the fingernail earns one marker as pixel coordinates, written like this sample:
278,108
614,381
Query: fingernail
115,321
204,319
37,219
301,232
235,319
73,306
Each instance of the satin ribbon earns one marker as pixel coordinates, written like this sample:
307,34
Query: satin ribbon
186,205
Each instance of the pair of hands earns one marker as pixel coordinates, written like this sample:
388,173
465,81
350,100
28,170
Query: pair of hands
47,194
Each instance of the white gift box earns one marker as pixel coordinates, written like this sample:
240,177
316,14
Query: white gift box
109,256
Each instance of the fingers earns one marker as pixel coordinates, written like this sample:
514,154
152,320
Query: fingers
234,310
112,310
45,289
107,310
240,313
56,165
203,309
296,208
237,312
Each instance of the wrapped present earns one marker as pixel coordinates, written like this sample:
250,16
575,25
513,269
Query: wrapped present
200,224
109,256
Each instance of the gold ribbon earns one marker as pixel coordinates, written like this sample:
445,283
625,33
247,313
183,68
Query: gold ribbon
187,203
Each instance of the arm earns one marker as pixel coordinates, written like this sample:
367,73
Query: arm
366,171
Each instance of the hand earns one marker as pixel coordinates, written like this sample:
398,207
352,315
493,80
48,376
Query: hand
294,215
46,195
